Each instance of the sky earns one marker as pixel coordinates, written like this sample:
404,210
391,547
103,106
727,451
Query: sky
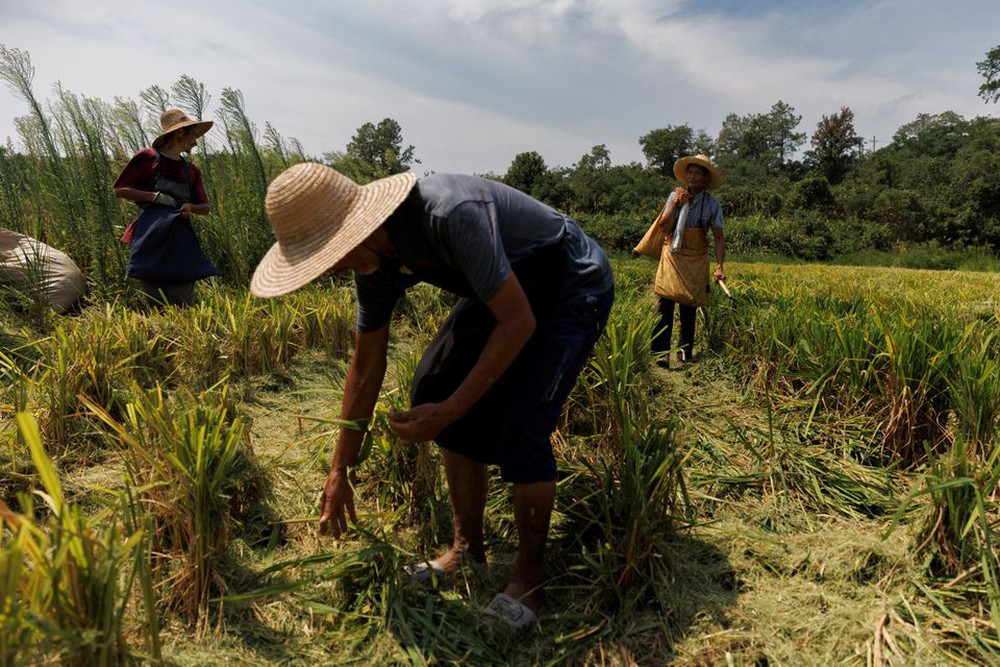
472,83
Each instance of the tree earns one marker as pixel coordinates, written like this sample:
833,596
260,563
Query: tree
990,69
769,139
836,146
936,135
591,179
664,146
526,171
740,136
376,151
704,144
599,158
781,123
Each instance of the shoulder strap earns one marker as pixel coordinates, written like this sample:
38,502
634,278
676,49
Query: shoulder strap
187,168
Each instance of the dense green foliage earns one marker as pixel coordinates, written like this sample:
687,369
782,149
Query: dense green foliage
937,183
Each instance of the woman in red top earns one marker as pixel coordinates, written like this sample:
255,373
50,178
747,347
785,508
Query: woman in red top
165,255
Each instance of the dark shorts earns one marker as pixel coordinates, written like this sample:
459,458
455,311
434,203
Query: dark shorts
511,424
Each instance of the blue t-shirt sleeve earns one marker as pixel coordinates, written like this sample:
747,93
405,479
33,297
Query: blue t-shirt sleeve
377,295
469,240
717,216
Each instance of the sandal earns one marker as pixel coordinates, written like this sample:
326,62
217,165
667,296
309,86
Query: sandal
510,611
425,572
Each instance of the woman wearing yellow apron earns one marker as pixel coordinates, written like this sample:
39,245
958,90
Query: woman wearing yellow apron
682,273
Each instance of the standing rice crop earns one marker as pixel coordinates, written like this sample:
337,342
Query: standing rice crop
67,580
623,502
182,456
959,533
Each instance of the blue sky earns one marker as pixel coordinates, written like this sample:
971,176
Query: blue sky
474,82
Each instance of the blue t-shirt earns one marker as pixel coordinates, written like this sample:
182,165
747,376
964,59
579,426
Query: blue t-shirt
704,211
465,232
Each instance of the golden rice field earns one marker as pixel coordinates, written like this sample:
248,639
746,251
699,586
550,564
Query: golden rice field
820,487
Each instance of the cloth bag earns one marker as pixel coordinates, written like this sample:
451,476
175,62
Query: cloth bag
682,276
28,264
652,242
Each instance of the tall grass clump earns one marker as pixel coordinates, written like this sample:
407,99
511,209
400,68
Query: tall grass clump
244,234
84,123
623,503
68,578
959,536
55,190
75,145
189,460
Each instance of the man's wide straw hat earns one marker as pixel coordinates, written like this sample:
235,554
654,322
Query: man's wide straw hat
715,176
172,120
319,215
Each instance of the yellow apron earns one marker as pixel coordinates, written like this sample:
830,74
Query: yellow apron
682,276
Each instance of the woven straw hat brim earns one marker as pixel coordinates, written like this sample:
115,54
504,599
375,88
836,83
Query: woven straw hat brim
715,177
203,127
290,265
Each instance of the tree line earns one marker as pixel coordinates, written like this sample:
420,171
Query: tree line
936,182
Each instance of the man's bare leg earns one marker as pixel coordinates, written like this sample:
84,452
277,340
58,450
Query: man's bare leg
467,486
532,513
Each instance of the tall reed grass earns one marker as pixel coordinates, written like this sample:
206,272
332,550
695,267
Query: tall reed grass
74,146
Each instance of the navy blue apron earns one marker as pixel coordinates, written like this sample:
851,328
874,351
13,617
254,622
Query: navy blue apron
164,247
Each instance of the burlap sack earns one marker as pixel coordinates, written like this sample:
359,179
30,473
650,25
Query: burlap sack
27,264
652,242
682,276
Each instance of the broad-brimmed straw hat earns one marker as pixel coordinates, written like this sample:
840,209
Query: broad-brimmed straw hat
172,120
715,176
319,215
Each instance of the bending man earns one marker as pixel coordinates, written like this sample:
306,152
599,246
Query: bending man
535,295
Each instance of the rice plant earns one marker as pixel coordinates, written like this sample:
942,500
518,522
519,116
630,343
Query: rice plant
327,319
182,458
610,394
82,361
405,477
623,505
958,535
67,581
974,388
915,389
798,465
